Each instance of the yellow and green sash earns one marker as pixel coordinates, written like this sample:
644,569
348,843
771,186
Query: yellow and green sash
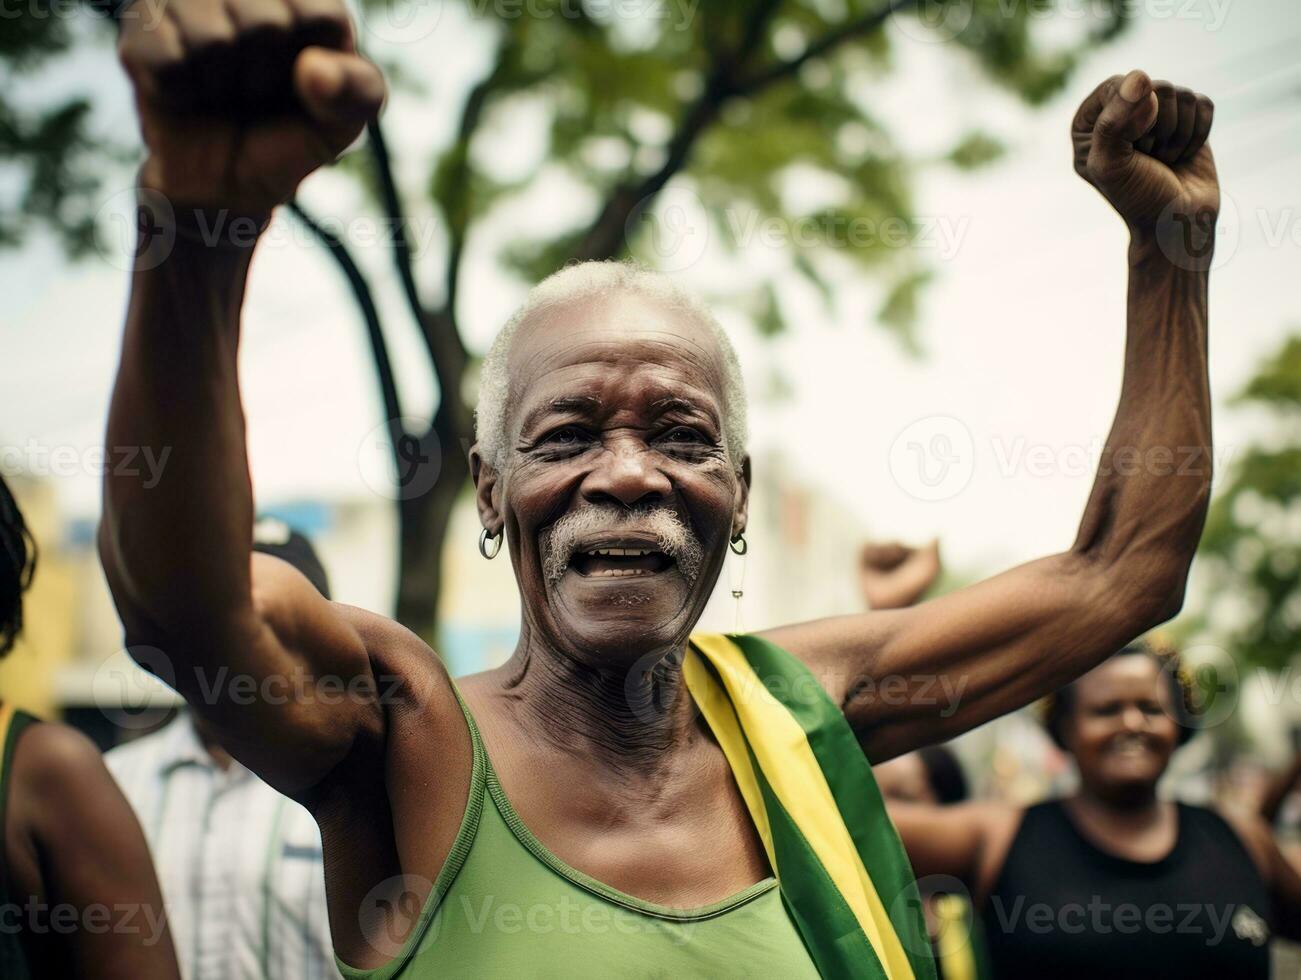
843,873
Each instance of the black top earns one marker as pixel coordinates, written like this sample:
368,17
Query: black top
13,961
1065,909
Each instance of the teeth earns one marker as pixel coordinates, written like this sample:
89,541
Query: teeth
622,552
619,572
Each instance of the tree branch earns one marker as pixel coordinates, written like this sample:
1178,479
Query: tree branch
441,338
456,207
823,45
361,290
605,237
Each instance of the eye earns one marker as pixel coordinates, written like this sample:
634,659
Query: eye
683,437
566,440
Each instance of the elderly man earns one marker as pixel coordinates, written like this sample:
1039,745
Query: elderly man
572,813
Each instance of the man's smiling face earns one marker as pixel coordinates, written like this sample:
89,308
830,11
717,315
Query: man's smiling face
618,495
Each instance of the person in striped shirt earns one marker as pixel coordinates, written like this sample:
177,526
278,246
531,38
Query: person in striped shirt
240,864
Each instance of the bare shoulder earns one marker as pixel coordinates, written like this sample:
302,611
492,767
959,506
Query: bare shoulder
424,726
59,777
54,762
407,673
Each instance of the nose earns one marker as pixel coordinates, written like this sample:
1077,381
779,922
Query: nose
1134,719
626,473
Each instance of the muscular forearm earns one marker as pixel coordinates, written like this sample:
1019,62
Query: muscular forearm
177,552
1145,514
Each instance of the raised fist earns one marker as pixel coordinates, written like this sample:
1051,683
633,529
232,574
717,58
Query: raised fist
1142,144
239,100
894,575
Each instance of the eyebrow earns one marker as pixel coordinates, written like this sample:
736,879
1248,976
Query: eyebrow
673,403
565,405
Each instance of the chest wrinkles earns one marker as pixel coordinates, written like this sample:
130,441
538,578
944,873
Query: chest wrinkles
683,838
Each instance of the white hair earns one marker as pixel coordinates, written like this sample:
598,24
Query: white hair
586,280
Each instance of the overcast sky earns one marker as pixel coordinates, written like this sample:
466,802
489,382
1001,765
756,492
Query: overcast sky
1022,330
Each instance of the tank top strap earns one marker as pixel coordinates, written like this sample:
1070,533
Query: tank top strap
13,962
12,723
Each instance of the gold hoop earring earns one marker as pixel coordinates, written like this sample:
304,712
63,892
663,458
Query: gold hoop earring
484,538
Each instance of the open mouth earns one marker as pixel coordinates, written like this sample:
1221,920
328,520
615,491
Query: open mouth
619,562
1130,748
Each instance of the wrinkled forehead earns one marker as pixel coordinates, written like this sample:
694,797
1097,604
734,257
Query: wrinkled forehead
622,344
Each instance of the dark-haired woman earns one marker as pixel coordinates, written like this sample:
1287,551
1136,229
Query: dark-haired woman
1113,881
78,895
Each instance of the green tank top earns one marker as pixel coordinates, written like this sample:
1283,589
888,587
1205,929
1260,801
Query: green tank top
506,907
13,961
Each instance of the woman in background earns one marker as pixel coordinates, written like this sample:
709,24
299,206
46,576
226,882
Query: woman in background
1114,881
78,895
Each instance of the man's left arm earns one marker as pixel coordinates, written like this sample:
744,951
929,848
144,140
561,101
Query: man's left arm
911,677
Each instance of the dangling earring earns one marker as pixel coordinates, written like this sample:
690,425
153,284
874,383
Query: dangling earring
736,573
484,538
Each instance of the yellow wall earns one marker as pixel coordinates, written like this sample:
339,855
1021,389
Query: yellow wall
49,610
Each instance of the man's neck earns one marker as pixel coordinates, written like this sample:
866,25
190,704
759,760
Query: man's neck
634,721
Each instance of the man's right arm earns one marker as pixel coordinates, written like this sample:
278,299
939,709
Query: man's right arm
247,640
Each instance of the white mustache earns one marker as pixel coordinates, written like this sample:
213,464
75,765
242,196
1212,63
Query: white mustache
675,539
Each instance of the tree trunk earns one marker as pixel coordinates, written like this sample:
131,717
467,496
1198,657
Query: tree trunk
423,518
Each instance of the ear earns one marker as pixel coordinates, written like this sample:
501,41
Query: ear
741,512
485,491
